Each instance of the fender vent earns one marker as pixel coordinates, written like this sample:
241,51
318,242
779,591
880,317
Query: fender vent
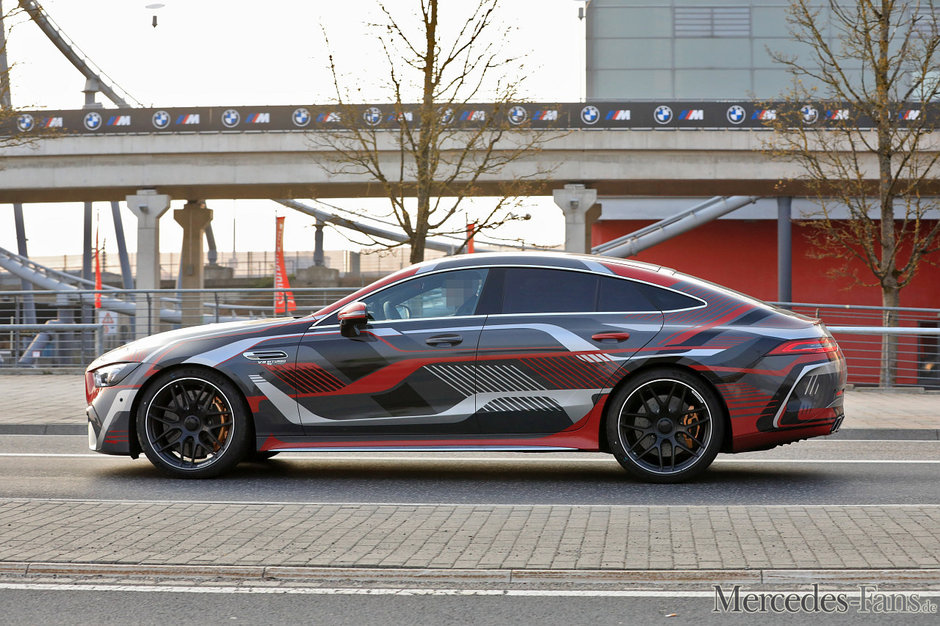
265,355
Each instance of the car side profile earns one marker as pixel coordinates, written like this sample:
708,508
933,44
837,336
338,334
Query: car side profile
524,351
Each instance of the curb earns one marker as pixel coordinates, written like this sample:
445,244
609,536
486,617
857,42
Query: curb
400,577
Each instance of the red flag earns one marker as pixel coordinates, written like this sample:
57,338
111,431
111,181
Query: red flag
470,228
97,273
283,300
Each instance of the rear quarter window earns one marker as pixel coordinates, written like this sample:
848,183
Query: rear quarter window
668,300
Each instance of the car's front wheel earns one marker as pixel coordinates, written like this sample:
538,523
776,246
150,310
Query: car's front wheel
665,426
193,423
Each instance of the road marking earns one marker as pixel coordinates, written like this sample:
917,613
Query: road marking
352,591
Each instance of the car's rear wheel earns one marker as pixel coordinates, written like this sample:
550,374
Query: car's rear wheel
665,426
193,423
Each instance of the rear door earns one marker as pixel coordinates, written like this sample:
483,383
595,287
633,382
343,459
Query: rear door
554,342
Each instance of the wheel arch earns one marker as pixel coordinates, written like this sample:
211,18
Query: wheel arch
604,444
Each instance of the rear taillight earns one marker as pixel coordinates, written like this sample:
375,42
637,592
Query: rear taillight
818,345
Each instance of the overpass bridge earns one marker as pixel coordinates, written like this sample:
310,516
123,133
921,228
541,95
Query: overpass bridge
616,148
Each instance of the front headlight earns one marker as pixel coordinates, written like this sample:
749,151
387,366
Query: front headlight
110,375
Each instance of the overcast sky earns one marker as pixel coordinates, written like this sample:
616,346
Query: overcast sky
238,52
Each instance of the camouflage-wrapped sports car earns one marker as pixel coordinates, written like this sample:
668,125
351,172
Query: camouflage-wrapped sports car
529,351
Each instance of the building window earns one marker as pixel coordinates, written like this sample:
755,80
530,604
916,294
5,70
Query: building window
711,22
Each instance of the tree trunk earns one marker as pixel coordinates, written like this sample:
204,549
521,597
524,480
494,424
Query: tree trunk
889,343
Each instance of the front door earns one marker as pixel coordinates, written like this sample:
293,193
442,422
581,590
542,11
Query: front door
409,373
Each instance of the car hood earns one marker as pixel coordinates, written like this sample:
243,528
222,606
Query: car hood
142,350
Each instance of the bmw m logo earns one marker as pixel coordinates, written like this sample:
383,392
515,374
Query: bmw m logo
372,116
300,117
518,115
92,120
161,119
809,114
736,114
25,122
590,114
231,118
662,114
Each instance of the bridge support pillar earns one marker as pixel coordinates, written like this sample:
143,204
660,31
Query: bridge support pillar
578,205
194,217
148,206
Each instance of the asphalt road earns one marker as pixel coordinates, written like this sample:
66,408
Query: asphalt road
827,472
833,472
340,607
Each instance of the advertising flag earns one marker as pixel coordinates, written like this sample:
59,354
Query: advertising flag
283,297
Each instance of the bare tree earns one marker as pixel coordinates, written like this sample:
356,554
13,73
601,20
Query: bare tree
432,160
868,78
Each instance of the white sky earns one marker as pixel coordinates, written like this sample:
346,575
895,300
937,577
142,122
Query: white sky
238,52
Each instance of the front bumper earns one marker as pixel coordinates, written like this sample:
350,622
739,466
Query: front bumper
109,421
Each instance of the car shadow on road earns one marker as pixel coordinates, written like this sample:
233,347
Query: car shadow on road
499,482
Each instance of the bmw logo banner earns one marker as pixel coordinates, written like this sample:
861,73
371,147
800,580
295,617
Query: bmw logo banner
595,115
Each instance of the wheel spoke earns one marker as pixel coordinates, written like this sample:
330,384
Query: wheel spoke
652,402
685,447
164,420
694,439
168,445
208,395
180,393
213,439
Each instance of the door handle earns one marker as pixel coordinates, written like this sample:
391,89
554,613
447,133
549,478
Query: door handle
439,340
616,336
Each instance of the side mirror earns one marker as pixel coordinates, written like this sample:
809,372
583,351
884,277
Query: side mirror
351,318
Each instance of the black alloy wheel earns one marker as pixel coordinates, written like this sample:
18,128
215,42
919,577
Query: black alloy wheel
665,427
193,424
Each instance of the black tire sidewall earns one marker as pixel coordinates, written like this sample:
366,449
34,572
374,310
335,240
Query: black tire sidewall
241,436
615,406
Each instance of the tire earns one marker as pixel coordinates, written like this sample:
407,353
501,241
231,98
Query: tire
665,426
193,423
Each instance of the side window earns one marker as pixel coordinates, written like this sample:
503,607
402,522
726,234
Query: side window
667,300
533,290
618,295
436,295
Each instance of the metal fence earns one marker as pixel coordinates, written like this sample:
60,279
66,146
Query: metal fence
64,330
68,332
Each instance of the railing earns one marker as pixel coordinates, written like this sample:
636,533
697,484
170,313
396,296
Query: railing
64,344
75,332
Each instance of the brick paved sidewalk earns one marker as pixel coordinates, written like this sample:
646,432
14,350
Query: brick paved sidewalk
60,399
471,537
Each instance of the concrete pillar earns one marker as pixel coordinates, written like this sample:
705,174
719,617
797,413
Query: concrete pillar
148,206
318,259
194,217
784,250
576,202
